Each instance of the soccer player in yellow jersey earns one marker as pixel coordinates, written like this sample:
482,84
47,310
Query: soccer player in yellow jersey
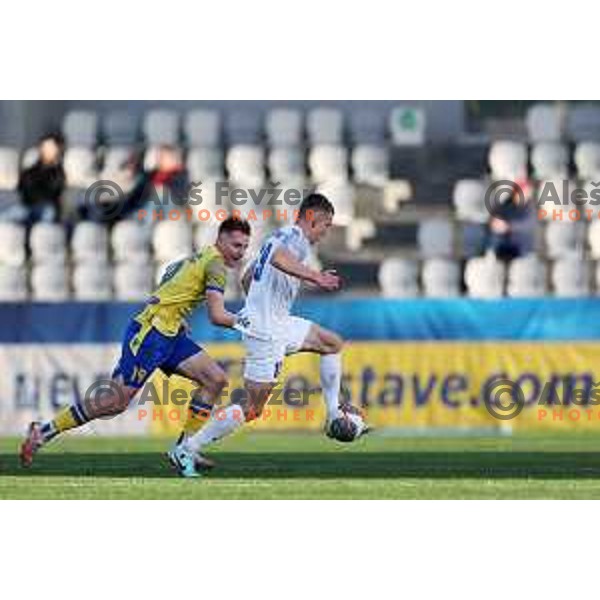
157,338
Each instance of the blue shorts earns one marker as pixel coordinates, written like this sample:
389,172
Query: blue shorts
156,351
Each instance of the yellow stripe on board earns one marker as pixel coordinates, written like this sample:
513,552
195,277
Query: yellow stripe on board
428,384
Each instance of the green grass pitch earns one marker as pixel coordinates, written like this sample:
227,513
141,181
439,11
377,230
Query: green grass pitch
290,465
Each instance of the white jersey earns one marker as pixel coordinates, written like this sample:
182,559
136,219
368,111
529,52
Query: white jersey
272,292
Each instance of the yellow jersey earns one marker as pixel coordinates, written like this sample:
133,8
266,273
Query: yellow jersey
182,288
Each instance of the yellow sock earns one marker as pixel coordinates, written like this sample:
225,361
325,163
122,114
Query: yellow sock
67,418
64,420
198,413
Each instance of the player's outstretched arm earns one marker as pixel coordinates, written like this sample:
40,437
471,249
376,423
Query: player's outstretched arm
217,313
285,261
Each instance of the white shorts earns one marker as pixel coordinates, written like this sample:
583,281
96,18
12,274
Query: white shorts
264,358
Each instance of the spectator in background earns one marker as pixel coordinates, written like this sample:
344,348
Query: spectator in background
158,188
41,186
153,190
511,229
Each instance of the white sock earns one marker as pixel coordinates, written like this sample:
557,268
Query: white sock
223,421
331,380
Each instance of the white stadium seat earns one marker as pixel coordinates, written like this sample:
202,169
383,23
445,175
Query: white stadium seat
286,164
116,166
527,278
441,278
80,128
342,195
564,239
13,283
202,128
398,278
283,127
12,244
80,167
571,278
508,160
92,282
593,236
484,277
47,242
205,163
328,163
49,283
132,282
325,125
130,242
161,127
205,234
29,157
171,240
89,242
587,160
9,168
246,165
116,159
469,200
370,164
544,123
550,161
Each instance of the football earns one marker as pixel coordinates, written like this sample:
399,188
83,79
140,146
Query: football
349,426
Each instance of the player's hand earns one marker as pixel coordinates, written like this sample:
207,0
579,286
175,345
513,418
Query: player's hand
243,324
328,281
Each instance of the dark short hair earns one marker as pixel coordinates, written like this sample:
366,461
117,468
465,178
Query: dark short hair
167,148
234,224
54,136
316,202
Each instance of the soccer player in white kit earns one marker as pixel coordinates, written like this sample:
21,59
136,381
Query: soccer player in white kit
272,283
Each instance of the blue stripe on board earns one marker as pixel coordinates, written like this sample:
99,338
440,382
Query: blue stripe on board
354,319
460,319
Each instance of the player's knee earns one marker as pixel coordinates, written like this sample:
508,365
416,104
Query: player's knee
220,380
123,398
217,381
120,405
111,405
